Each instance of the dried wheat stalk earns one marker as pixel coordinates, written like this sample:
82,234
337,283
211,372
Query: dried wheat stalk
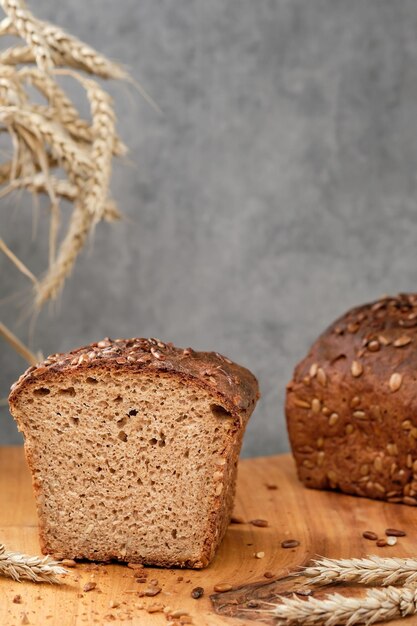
38,569
53,135
378,605
371,570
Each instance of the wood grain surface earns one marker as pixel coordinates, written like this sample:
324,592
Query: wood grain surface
324,523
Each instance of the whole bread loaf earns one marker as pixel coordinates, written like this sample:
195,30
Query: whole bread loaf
133,448
352,404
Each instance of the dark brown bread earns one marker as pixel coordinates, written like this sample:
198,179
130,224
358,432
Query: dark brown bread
133,447
352,404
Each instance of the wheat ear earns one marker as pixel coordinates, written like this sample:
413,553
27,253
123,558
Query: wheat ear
38,569
104,132
371,570
79,55
73,158
378,605
29,29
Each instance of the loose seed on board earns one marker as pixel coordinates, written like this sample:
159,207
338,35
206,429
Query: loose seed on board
395,381
391,541
262,523
197,592
356,369
395,532
222,587
381,543
290,543
368,534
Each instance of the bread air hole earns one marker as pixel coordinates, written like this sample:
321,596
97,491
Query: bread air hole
219,411
41,391
91,380
69,391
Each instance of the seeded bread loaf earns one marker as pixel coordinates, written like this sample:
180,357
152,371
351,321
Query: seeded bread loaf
133,448
352,404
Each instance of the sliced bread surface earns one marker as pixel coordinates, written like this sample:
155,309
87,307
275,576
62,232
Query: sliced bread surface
133,448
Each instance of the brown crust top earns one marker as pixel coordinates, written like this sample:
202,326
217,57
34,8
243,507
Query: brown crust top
217,373
387,327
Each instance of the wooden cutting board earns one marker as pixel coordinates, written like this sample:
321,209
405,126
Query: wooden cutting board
324,523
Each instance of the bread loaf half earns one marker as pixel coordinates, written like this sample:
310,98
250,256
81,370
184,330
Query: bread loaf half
352,404
133,448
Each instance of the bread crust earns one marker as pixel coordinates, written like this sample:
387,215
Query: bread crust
351,406
233,386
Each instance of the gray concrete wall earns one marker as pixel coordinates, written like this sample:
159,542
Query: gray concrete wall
277,189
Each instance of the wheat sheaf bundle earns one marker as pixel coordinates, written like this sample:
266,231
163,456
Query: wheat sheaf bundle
378,605
23,567
382,603
55,152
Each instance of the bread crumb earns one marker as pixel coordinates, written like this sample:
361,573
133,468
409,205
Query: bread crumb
17,599
89,586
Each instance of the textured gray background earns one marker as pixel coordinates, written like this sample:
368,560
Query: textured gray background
277,189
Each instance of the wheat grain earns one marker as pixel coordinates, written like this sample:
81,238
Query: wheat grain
378,605
29,29
368,571
19,55
7,27
37,569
